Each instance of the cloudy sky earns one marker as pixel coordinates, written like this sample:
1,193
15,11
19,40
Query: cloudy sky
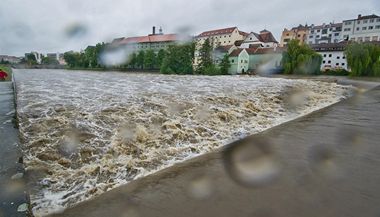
62,25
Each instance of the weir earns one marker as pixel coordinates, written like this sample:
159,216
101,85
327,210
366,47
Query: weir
323,164
326,159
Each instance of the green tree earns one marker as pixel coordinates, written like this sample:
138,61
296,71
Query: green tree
140,59
160,58
225,65
205,55
179,59
49,61
300,59
31,59
149,59
363,59
132,60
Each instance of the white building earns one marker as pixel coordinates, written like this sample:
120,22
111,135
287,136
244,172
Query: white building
333,55
264,39
362,29
325,33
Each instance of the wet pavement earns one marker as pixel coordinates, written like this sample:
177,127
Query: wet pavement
12,195
324,164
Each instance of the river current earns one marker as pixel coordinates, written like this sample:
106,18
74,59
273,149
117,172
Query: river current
85,133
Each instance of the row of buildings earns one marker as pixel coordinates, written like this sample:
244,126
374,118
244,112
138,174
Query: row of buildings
331,39
251,51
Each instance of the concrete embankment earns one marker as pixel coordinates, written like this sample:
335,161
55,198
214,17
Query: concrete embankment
324,164
13,199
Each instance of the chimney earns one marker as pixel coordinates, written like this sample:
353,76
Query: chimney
154,30
359,16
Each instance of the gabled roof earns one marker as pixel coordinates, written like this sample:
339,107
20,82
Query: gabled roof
267,37
236,52
224,49
150,38
373,16
245,34
217,32
264,50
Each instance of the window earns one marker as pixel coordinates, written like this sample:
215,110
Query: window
324,55
343,64
370,27
232,61
337,64
371,20
375,38
241,61
311,36
378,20
330,35
324,61
367,39
318,30
318,36
330,55
312,31
357,28
338,57
329,61
336,34
287,34
347,23
347,29
364,28
365,21
298,36
360,39
344,57
377,27
324,31
352,39
358,21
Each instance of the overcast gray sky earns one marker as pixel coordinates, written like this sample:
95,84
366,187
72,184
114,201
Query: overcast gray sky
62,25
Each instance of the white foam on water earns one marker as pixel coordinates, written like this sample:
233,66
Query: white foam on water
85,133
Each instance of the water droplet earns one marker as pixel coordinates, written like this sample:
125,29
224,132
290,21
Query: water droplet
323,159
251,162
76,30
22,208
200,187
114,57
131,212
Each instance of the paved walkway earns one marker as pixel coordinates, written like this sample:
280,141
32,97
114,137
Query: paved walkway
12,196
324,164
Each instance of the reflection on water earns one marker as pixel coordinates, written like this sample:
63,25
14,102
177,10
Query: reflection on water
85,133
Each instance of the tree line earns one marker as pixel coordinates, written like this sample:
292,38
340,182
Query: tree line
363,59
176,59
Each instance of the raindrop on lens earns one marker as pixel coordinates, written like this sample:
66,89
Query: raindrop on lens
76,30
251,162
200,188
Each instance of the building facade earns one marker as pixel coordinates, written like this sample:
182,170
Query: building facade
362,29
333,55
154,41
217,38
325,33
239,60
299,33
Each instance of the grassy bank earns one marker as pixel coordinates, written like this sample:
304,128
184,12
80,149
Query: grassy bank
8,70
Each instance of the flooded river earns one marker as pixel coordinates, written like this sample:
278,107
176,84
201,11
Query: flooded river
85,133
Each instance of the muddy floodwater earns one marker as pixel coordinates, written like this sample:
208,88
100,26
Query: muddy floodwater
85,133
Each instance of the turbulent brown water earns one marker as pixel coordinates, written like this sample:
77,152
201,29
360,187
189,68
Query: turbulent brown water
85,133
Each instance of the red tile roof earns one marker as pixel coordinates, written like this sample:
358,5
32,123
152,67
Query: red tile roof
150,38
262,50
236,52
217,32
267,37
243,33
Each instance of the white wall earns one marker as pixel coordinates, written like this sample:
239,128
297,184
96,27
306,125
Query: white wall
333,60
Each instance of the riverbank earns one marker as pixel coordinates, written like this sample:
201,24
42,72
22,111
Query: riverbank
323,164
13,199
8,70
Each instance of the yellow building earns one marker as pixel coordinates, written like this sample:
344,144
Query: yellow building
219,37
299,33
